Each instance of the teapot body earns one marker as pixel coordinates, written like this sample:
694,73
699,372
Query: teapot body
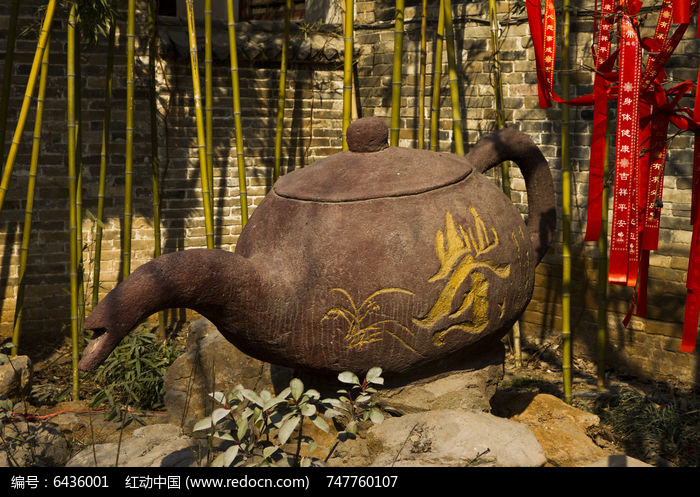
399,282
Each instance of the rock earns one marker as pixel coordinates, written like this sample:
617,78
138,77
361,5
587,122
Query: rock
453,437
560,428
16,377
350,453
159,445
210,364
33,444
470,389
619,461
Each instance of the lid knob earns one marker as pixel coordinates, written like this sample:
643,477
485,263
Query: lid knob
368,134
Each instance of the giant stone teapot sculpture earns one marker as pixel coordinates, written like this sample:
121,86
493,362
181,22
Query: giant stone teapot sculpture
376,256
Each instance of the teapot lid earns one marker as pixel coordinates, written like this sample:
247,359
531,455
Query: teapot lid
371,169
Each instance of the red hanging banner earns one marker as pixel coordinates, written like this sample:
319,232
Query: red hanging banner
624,254
692,298
534,18
550,41
681,11
600,120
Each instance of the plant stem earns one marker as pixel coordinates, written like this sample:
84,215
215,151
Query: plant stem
282,92
454,84
566,212
243,192
347,68
500,123
72,188
129,164
602,335
437,76
104,157
397,73
421,84
155,161
208,106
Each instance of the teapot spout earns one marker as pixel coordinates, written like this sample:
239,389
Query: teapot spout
205,280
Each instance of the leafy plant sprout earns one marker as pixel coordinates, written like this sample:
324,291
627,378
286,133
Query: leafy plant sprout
259,426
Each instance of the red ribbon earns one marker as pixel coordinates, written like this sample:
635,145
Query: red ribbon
534,18
600,120
681,11
624,255
692,297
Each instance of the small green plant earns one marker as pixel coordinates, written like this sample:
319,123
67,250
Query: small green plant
259,425
133,373
355,404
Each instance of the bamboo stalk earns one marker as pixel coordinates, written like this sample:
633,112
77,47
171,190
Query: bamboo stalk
31,186
7,73
208,106
104,157
201,142
72,183
282,92
566,211
347,68
129,162
602,293
235,84
498,88
155,162
437,76
396,78
29,92
421,83
79,178
454,84
500,123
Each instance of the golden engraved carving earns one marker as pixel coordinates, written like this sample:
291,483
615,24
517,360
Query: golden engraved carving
362,325
459,253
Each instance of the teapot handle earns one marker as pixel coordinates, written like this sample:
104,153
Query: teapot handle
511,144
